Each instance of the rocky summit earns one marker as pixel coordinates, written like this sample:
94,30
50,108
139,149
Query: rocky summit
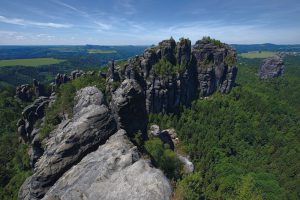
174,74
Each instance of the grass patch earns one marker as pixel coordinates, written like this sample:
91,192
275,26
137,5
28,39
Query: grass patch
99,51
258,54
32,62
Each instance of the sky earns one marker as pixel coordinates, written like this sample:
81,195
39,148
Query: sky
146,22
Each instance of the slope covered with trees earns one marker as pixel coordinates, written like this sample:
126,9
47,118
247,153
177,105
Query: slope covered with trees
245,145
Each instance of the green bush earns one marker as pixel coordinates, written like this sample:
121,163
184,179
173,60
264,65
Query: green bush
189,188
214,41
164,158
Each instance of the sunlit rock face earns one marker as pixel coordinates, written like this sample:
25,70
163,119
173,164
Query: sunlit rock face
174,74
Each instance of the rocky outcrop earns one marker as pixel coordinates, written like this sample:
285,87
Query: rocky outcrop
31,114
24,92
216,68
129,107
63,78
173,74
91,125
115,171
271,68
28,92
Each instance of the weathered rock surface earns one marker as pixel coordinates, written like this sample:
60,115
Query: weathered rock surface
64,78
31,114
24,92
113,172
27,92
198,71
70,142
271,68
129,107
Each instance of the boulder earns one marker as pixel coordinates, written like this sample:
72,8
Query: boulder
115,171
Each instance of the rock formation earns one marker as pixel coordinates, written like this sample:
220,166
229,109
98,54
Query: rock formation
128,104
31,114
63,78
174,74
91,125
67,169
24,92
271,68
27,92
113,172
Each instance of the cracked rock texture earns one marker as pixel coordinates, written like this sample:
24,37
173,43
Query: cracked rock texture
115,171
196,71
70,142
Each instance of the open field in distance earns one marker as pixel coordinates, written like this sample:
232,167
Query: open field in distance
258,54
32,62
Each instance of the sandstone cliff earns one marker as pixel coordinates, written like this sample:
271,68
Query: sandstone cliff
174,74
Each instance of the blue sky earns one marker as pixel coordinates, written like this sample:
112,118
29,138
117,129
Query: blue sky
139,22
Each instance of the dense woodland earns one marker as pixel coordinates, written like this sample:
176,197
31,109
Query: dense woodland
88,57
244,145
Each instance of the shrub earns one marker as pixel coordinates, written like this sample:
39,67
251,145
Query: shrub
164,158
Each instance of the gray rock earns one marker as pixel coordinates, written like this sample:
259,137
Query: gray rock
188,166
24,92
77,73
85,98
31,114
154,130
200,71
129,107
114,172
215,67
271,68
70,142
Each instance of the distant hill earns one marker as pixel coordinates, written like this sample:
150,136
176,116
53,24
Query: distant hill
244,48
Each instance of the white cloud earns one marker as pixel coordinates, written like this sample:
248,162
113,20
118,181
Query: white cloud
23,22
103,26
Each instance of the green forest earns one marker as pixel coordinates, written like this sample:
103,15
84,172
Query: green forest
244,145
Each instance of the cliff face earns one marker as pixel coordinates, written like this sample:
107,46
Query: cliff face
174,74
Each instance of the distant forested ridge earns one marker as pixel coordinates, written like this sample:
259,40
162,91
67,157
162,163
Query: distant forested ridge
75,57
266,47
